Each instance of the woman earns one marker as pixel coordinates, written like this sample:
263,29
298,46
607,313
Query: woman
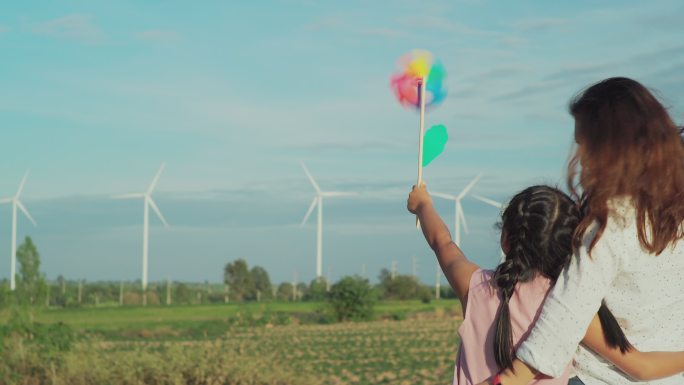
628,175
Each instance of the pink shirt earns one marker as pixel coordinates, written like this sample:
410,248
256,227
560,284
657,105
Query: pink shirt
475,362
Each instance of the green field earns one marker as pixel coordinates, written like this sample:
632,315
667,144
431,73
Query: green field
408,343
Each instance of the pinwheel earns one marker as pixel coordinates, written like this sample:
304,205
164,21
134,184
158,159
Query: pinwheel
421,85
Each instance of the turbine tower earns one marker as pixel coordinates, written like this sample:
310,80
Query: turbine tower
459,216
499,206
16,204
318,201
148,202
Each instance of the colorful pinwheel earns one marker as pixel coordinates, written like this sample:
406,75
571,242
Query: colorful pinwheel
421,84
418,67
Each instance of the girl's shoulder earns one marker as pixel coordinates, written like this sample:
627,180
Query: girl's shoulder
481,282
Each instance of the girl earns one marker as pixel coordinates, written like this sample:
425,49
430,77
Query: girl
628,247
500,306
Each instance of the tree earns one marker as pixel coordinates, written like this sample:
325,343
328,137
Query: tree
182,294
284,291
401,287
31,287
262,282
239,279
318,290
352,298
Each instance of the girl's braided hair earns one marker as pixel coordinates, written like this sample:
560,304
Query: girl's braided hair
538,227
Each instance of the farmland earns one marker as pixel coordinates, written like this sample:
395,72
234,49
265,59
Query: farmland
409,343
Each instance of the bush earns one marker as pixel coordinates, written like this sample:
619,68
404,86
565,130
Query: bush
425,294
352,298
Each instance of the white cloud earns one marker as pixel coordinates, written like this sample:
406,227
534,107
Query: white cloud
384,32
539,24
443,24
71,27
158,35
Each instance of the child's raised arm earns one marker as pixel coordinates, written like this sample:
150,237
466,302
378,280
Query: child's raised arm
642,366
456,267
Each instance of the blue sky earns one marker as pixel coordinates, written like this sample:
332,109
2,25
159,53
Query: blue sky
232,95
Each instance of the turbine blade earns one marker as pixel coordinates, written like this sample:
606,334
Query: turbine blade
311,178
444,196
462,216
21,185
156,210
488,201
308,212
338,194
5,200
156,179
23,209
129,196
469,186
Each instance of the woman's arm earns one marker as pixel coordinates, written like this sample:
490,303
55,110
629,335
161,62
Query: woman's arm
456,267
642,366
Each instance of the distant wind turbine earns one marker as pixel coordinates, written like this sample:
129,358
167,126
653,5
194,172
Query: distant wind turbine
459,216
16,204
490,202
496,204
148,202
318,201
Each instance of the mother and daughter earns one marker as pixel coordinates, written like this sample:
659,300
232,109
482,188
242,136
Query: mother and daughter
592,287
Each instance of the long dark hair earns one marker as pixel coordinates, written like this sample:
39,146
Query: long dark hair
627,146
538,226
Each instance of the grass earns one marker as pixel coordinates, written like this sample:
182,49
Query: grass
197,345
119,318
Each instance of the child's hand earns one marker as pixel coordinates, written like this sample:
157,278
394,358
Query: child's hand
418,198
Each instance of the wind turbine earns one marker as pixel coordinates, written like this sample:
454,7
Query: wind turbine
148,202
318,201
459,216
496,204
16,204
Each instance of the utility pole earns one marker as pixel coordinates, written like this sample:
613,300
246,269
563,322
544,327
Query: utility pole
226,291
121,293
168,291
394,269
80,291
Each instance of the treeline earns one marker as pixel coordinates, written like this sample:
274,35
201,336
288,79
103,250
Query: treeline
245,284
241,283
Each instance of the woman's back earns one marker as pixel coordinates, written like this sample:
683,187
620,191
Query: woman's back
475,360
645,292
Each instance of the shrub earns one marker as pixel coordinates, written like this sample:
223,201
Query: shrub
352,298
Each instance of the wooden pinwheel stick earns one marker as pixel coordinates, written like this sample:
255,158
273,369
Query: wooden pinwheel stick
421,134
